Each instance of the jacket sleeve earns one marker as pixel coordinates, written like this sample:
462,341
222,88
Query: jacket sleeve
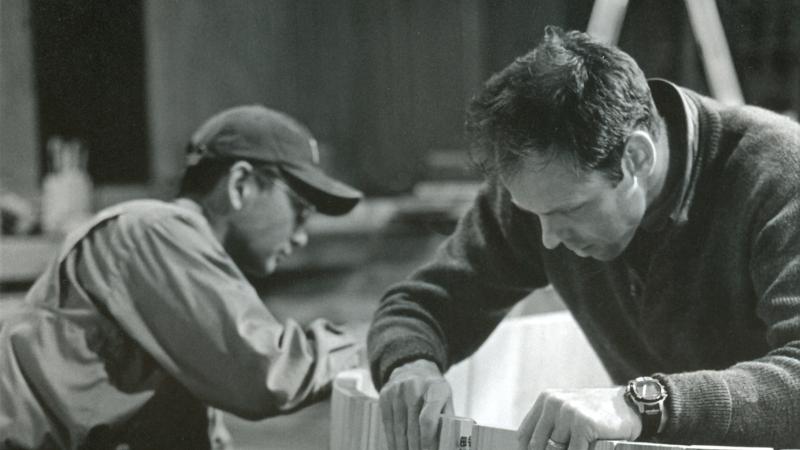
177,293
446,309
754,402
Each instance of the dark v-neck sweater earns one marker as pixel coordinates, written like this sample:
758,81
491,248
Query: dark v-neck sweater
707,300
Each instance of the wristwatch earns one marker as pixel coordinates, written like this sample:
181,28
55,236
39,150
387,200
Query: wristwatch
647,395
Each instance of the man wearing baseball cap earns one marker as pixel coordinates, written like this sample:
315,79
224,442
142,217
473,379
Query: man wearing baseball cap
148,306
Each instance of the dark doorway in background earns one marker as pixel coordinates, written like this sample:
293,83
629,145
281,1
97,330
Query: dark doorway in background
90,83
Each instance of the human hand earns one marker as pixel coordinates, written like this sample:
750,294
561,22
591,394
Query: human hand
411,403
575,418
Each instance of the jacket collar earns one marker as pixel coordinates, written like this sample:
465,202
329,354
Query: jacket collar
681,114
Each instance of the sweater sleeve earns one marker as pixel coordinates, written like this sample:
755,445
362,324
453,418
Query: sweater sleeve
755,402
445,310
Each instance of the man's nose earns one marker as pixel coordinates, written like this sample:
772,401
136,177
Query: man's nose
299,237
551,233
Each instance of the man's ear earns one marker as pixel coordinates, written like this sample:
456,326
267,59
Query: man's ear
240,184
639,157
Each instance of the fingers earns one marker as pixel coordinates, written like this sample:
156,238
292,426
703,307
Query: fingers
438,400
410,410
560,434
579,442
525,431
573,419
545,428
399,422
413,404
387,417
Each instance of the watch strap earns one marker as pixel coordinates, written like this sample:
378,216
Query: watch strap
651,419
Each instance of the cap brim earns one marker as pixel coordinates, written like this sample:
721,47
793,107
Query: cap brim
330,197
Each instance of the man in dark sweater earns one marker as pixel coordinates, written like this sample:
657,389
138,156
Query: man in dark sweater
668,223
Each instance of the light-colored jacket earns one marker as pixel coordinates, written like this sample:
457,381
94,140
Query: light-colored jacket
141,293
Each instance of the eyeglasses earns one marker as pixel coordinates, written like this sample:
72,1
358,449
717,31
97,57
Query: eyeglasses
301,207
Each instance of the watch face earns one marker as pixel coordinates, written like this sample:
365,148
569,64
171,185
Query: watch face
648,390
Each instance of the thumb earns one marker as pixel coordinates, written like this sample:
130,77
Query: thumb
448,408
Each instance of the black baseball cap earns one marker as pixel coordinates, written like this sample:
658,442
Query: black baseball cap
259,134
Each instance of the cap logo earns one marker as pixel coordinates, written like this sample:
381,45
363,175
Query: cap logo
314,150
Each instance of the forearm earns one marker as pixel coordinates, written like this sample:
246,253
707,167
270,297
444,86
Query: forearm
447,308
403,331
302,371
194,313
755,401
752,403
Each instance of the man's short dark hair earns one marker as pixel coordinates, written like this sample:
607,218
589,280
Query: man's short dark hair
201,178
584,96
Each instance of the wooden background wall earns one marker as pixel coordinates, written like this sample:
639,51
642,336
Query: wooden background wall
379,83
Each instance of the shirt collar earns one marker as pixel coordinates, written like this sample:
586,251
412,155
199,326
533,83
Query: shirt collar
681,116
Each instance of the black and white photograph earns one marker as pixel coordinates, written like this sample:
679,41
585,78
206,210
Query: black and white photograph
399,224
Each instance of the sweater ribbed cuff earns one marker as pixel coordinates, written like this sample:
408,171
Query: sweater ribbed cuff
699,407
394,353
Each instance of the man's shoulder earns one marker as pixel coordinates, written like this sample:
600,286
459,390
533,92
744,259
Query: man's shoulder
749,121
142,215
148,210
758,122
757,140
761,153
